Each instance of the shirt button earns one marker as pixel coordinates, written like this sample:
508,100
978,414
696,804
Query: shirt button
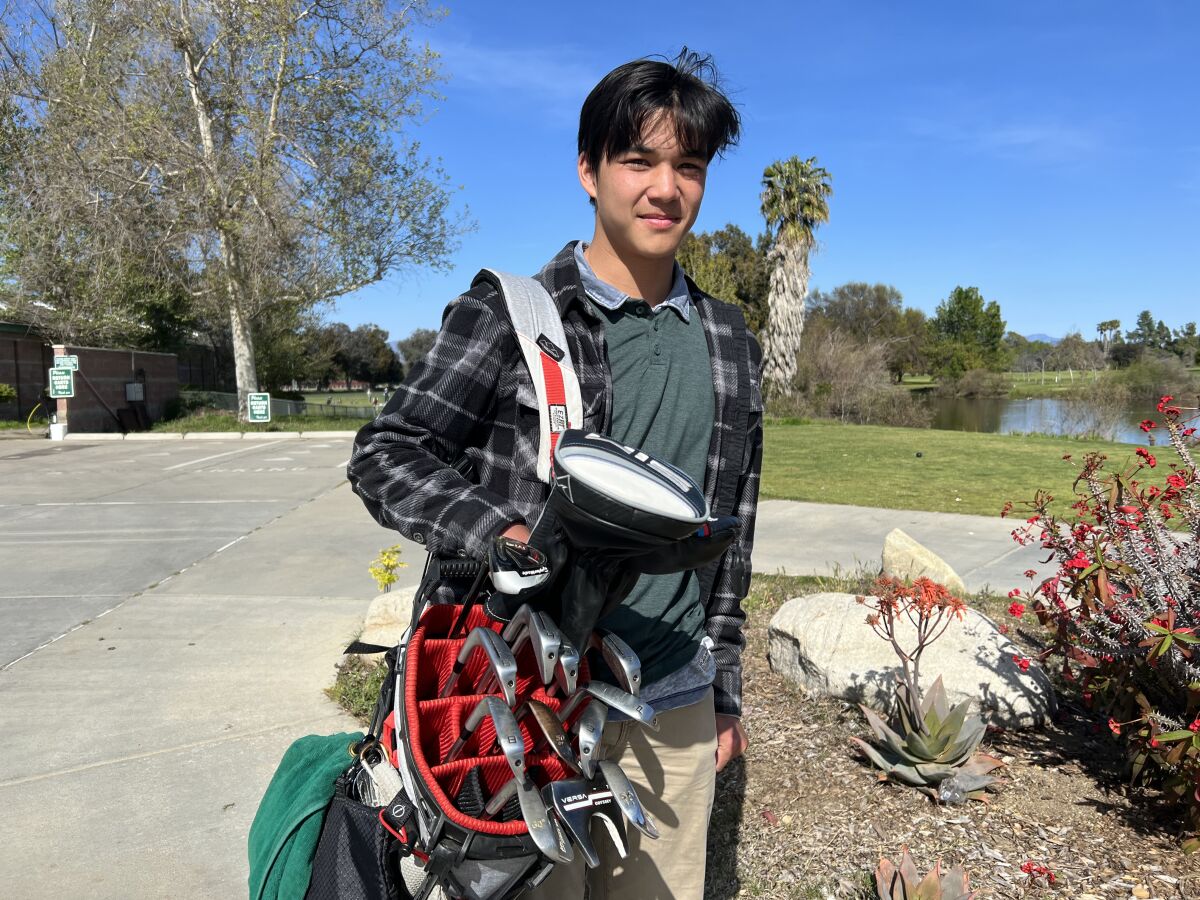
657,350
419,538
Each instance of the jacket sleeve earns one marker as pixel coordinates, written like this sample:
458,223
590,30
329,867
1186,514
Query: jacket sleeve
402,465
725,616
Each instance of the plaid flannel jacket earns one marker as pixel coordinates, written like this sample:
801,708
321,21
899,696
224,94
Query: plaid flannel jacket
473,397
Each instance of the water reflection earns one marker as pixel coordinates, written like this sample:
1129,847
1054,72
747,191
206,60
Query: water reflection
1044,415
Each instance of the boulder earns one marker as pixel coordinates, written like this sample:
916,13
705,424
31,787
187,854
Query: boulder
387,618
823,644
906,559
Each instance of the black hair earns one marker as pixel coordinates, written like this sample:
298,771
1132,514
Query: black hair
615,114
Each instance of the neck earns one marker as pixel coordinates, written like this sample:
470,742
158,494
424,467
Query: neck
646,279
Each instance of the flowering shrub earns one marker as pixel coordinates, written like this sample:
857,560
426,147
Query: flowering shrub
384,567
1124,604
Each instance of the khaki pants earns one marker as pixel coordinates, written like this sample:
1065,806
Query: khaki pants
674,772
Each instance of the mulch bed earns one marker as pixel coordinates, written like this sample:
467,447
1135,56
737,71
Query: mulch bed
803,816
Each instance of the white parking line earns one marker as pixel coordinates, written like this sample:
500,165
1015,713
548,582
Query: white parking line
129,503
124,540
192,462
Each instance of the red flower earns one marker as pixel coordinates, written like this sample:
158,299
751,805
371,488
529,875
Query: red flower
1147,456
1015,592
1031,573
1188,432
1164,401
1177,481
1003,628
1153,742
1022,662
1114,726
1147,424
1078,561
1016,609
1195,726
1006,509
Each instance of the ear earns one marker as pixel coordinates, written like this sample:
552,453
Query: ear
587,176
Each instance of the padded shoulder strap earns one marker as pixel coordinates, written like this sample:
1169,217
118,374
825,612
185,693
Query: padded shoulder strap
543,344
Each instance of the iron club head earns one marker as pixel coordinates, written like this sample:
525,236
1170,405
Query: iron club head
508,733
589,728
529,627
500,659
544,827
627,799
551,731
620,658
623,702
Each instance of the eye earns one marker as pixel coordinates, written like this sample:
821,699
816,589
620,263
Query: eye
636,161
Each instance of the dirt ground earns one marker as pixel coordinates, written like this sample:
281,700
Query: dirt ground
802,816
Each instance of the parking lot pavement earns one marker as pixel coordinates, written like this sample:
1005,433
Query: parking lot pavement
171,614
83,526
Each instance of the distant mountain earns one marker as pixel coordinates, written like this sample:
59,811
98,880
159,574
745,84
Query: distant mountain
1042,337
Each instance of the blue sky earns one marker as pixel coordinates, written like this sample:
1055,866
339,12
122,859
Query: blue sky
1048,153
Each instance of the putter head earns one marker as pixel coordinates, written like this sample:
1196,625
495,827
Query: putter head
621,659
607,810
508,732
589,728
503,664
566,673
627,799
515,566
569,800
552,730
615,698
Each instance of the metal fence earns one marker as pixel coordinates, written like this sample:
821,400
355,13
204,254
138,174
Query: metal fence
220,400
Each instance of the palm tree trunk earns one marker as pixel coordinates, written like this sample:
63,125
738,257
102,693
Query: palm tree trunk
785,324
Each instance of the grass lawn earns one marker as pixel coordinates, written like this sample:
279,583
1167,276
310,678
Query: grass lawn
342,398
8,425
227,421
961,472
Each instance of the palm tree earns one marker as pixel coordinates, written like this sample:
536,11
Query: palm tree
794,203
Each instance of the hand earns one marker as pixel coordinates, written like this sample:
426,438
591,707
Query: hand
731,739
517,531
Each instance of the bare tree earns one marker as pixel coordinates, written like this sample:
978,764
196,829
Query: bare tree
251,149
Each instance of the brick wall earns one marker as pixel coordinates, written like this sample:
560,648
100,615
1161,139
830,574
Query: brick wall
100,386
24,359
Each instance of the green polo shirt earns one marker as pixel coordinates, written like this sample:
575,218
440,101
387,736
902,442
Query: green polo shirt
663,404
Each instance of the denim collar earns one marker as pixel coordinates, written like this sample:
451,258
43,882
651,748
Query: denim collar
604,295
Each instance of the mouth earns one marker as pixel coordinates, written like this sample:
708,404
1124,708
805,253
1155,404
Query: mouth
660,220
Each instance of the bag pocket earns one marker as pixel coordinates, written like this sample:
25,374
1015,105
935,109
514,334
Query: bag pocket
355,858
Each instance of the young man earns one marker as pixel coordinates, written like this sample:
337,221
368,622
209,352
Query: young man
663,367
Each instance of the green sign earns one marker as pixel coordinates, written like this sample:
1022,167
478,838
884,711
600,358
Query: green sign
67,362
259,406
62,383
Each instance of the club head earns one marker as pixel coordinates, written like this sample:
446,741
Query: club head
589,728
566,674
500,659
544,828
508,733
515,566
607,810
552,730
627,799
621,659
569,800
623,702
543,634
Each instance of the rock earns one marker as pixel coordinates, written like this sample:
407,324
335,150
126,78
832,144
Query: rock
387,618
823,644
907,559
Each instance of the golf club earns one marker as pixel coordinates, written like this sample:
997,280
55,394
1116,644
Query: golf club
623,702
529,627
551,731
508,734
513,566
566,674
544,828
500,658
627,798
589,728
620,658
575,801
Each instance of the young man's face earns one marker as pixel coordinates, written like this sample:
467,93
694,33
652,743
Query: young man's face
648,197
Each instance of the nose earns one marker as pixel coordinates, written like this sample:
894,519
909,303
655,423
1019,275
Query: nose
663,185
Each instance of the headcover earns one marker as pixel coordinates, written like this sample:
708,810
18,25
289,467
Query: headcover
614,513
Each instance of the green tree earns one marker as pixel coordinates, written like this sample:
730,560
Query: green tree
1145,330
795,201
728,265
414,348
966,333
1109,330
259,142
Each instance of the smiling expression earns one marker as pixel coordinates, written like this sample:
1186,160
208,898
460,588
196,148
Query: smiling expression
648,197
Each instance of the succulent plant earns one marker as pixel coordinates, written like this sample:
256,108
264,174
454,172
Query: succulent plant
903,882
934,750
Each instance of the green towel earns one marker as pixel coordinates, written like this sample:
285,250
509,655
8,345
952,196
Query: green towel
283,837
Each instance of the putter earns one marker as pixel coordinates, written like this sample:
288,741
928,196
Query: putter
508,734
527,627
575,801
543,827
620,658
551,731
589,728
627,798
622,702
500,659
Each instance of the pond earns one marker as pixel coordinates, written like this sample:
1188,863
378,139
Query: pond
1044,415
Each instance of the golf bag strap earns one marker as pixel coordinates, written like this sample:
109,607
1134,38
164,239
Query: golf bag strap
543,342
358,647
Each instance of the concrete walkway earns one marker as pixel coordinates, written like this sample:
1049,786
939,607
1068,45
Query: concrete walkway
134,749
